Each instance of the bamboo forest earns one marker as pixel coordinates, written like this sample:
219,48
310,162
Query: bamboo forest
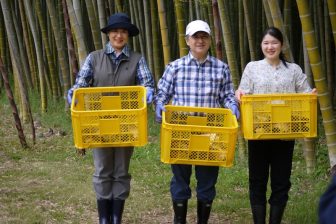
44,43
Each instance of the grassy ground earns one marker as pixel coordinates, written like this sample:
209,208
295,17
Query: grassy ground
51,183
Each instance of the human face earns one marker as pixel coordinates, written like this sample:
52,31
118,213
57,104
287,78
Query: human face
118,38
271,48
199,44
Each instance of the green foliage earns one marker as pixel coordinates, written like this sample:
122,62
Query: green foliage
51,183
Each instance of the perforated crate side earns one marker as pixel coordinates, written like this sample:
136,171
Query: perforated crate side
109,117
197,141
279,116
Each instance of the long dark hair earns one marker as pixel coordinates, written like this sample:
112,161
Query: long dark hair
276,33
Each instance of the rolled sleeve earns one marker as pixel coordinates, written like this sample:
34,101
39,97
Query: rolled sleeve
165,86
301,84
245,83
144,75
227,91
85,75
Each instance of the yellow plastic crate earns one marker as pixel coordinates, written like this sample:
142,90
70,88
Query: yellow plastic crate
109,116
198,136
279,116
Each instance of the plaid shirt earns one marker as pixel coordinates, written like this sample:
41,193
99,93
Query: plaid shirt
143,77
189,83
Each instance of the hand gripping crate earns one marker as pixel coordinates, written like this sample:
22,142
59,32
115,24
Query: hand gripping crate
109,116
279,116
198,136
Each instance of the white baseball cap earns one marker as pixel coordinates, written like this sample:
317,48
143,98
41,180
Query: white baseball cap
196,26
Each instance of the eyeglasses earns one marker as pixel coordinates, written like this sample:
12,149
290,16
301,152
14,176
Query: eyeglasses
201,36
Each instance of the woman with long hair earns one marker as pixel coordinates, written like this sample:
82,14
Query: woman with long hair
271,158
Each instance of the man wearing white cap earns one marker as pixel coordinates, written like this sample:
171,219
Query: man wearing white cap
196,80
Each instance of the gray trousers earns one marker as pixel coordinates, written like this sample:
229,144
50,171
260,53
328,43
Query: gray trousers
111,179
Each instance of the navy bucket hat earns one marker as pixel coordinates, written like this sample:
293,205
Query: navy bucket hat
121,20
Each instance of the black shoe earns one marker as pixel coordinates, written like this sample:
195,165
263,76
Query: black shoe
276,214
259,214
180,211
118,208
203,211
104,208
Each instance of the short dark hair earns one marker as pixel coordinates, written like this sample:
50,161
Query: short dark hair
276,33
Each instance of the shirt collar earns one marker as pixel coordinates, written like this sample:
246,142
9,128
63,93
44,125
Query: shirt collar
191,58
110,50
280,65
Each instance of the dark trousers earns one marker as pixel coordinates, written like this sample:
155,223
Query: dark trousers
327,205
206,177
270,158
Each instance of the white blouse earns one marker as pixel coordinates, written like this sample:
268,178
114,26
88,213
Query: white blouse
259,77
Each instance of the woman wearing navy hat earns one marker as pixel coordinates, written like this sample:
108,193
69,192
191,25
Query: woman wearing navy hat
115,65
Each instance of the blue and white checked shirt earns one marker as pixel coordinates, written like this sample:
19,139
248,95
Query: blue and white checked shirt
189,83
143,77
